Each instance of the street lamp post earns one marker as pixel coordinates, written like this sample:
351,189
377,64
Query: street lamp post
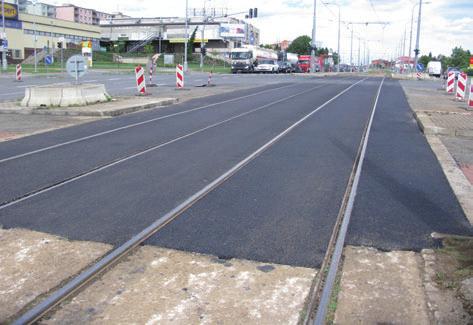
4,53
338,42
412,25
416,50
313,46
187,36
351,49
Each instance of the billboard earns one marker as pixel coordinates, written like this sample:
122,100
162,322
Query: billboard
232,30
11,11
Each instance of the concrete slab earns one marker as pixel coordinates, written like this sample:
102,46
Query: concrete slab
381,288
33,263
163,286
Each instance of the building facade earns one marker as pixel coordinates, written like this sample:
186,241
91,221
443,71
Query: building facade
28,32
168,34
81,15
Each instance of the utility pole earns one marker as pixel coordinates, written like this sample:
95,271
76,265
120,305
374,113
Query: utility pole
416,50
187,36
410,34
404,42
4,53
359,41
313,46
338,44
351,49
202,42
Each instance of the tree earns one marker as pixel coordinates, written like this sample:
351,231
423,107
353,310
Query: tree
425,59
335,58
149,49
190,45
301,45
460,58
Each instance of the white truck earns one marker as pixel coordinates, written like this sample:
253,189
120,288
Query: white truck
245,59
434,68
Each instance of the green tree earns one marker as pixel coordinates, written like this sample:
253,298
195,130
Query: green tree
190,45
149,49
301,45
460,58
425,59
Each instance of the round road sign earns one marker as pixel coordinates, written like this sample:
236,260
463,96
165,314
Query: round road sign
76,66
48,59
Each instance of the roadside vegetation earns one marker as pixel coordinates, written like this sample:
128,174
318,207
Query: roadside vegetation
455,264
459,58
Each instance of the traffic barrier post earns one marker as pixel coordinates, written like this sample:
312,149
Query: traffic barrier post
470,97
140,80
179,76
18,72
461,86
209,80
450,82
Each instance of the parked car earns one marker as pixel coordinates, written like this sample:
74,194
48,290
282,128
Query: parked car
285,67
268,66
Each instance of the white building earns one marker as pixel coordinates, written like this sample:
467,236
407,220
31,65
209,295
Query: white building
168,34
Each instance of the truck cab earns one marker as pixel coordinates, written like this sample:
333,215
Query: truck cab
242,60
304,63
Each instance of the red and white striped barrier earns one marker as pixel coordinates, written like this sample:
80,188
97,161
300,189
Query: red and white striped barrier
209,80
419,76
179,76
18,72
461,86
450,82
140,80
470,97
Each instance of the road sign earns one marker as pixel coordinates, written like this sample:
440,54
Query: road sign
5,43
471,62
76,66
48,60
420,67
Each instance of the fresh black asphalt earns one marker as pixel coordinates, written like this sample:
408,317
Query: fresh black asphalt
403,194
280,208
118,202
22,176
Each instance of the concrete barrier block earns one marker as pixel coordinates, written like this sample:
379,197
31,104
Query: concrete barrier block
64,95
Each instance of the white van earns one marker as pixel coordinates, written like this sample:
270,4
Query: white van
434,68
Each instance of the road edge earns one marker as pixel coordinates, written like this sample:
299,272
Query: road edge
458,182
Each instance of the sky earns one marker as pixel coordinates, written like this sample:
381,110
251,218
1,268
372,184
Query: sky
444,24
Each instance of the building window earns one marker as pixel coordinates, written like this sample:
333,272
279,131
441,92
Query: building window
16,54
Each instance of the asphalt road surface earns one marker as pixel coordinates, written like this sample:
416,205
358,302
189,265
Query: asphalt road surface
107,180
124,83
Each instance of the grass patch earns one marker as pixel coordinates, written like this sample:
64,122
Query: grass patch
333,304
461,250
455,264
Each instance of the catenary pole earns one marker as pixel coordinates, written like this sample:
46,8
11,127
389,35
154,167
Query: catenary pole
187,36
416,50
313,46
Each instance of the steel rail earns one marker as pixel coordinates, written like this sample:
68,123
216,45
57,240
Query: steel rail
321,291
128,126
35,313
141,152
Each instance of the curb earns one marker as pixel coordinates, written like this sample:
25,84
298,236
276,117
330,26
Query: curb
458,182
429,128
94,113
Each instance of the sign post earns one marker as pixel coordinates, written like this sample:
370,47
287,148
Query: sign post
76,67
